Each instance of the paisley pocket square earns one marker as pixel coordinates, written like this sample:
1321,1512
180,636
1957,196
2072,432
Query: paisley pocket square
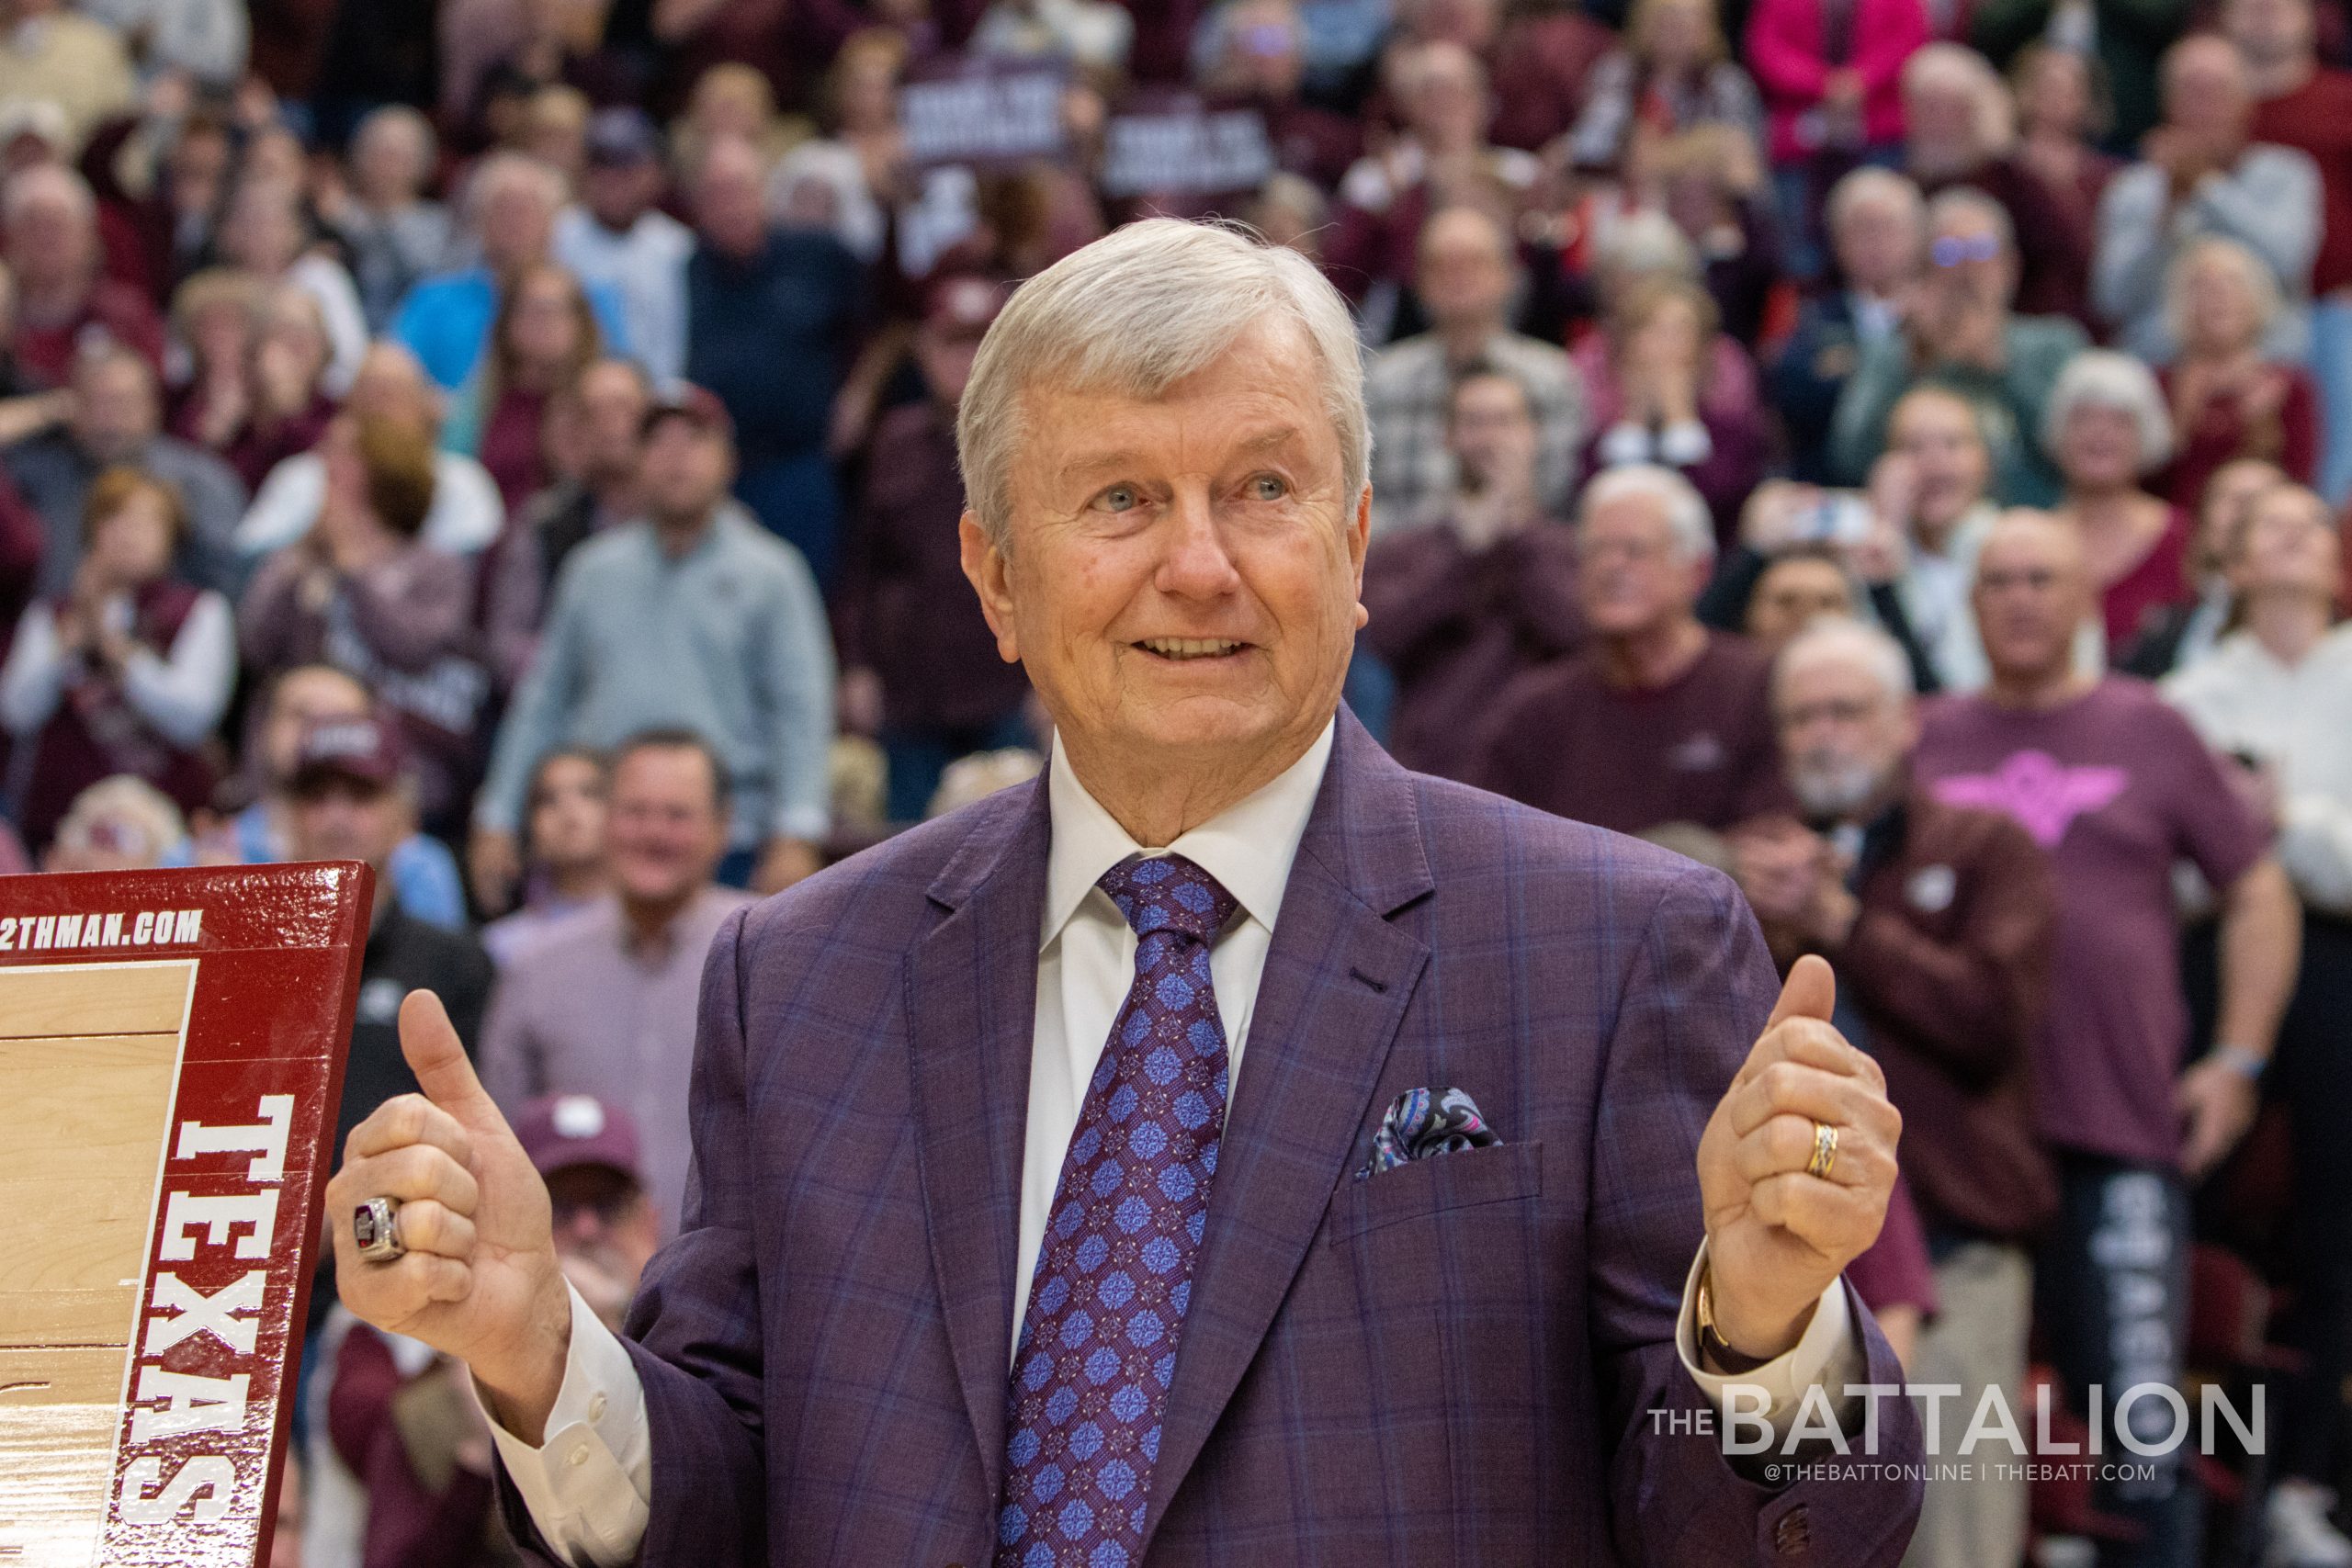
1425,1123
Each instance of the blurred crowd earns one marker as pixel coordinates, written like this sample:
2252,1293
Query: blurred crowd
1889,449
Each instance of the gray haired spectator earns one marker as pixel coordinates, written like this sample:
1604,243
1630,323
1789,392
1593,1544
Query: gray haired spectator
1659,720
395,234
2106,429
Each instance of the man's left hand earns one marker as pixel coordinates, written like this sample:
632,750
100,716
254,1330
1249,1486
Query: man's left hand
1777,1235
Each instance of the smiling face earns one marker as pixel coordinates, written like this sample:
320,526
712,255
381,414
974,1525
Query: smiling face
2099,446
2287,546
1179,573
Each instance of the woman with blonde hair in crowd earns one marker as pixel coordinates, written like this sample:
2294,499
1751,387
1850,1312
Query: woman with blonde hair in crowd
2228,399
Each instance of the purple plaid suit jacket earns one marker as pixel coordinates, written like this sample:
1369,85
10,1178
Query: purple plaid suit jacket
1451,1363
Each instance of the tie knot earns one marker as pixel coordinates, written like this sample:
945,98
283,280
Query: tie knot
1169,892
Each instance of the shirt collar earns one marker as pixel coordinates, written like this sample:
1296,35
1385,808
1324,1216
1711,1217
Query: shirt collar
1248,847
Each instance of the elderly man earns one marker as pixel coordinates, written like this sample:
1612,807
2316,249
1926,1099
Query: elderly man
692,617
510,206
1878,231
2116,787
1959,331
63,299
117,420
2200,174
956,1284
1939,920
1659,720
1465,277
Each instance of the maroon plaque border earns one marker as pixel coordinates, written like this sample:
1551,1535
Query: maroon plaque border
234,1224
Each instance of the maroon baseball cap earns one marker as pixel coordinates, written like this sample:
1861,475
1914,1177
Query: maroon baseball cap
561,1130
361,748
699,405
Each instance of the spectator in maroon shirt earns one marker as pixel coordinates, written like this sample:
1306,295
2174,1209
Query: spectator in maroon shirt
545,333
52,248
2117,788
2227,399
2060,116
2107,430
1938,919
1485,594
1659,721
919,666
2302,104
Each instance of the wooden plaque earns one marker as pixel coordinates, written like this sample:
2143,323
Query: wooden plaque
171,1052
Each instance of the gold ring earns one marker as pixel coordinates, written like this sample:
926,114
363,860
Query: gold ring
1825,1150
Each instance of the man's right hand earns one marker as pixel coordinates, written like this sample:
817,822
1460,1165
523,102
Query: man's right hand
479,1281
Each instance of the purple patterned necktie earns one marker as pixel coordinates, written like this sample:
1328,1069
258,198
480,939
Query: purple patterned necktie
1106,1307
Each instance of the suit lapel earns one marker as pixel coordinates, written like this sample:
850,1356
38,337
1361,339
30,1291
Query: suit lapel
971,1004
1337,981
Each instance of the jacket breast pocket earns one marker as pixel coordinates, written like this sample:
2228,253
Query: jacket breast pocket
1436,1184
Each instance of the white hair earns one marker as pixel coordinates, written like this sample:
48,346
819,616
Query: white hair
500,170
54,181
1841,639
402,121
2102,379
2206,250
1869,185
1686,510
1955,65
1135,312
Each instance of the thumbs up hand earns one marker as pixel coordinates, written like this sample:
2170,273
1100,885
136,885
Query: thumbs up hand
1780,1227
479,1279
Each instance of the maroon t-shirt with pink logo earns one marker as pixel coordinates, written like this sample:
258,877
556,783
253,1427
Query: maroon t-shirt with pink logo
2117,788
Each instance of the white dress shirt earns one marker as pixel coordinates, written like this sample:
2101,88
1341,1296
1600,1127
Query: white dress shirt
587,1487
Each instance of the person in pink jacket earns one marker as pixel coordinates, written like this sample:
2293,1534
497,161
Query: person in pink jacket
1830,71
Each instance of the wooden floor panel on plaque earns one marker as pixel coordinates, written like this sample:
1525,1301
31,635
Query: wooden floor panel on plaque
88,1057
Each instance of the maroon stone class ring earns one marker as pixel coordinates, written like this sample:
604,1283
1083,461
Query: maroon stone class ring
375,1226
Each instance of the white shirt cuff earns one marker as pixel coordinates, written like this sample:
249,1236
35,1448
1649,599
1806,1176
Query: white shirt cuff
1829,1355
1623,442
589,1486
1685,443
